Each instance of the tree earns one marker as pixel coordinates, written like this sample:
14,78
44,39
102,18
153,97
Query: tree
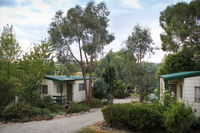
9,51
139,44
181,27
109,77
177,63
33,67
123,63
85,29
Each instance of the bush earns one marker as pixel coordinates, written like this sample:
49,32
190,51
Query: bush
78,107
100,89
94,103
47,102
119,90
17,111
133,116
25,112
178,118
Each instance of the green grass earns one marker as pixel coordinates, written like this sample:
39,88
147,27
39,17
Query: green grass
135,95
87,130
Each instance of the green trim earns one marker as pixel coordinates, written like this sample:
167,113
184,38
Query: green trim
180,75
65,78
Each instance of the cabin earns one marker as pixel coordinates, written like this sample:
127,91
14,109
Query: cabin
186,88
64,89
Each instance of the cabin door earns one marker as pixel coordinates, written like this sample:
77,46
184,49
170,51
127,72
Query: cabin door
69,91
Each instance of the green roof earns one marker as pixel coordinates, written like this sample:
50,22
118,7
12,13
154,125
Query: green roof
180,75
65,78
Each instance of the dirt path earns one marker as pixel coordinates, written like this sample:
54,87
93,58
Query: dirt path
60,125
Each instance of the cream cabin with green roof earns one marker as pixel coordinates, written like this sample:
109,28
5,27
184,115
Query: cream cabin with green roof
64,89
186,87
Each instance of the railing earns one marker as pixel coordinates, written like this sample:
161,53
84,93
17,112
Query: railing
60,99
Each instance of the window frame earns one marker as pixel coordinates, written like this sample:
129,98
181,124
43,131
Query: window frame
82,88
195,98
44,87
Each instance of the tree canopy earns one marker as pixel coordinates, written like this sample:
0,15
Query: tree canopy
181,27
84,28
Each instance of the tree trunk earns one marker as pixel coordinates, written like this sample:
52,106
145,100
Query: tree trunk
90,77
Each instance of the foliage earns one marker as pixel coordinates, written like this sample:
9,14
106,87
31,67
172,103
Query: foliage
177,35
109,76
177,63
133,116
119,91
47,102
78,107
100,89
123,63
139,44
94,103
6,94
196,124
178,118
18,111
9,53
85,28
33,68
88,130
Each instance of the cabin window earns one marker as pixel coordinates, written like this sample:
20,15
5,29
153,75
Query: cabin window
60,88
44,89
197,94
81,87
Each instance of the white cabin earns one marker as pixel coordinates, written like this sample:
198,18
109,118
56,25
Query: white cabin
186,87
68,88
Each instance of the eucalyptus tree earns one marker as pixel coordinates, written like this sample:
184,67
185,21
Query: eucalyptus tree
80,35
139,44
181,25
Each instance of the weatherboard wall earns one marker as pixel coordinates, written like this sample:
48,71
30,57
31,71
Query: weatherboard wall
189,93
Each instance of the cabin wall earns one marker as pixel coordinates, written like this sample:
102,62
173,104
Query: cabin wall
79,95
189,93
52,87
162,88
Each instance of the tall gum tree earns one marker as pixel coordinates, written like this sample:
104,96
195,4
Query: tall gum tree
139,44
84,29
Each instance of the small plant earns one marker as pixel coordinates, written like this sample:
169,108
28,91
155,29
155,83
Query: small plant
94,103
178,118
78,107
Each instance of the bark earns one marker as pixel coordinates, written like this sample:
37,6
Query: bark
83,69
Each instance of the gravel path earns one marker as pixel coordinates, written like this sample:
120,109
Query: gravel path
60,125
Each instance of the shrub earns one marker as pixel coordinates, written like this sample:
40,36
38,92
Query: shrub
48,103
196,124
94,103
25,112
133,116
119,90
178,118
100,89
17,111
78,107
56,108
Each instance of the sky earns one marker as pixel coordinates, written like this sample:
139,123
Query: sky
31,19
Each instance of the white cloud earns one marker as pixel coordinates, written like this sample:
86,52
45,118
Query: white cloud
132,3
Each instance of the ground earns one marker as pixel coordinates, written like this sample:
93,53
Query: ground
59,125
